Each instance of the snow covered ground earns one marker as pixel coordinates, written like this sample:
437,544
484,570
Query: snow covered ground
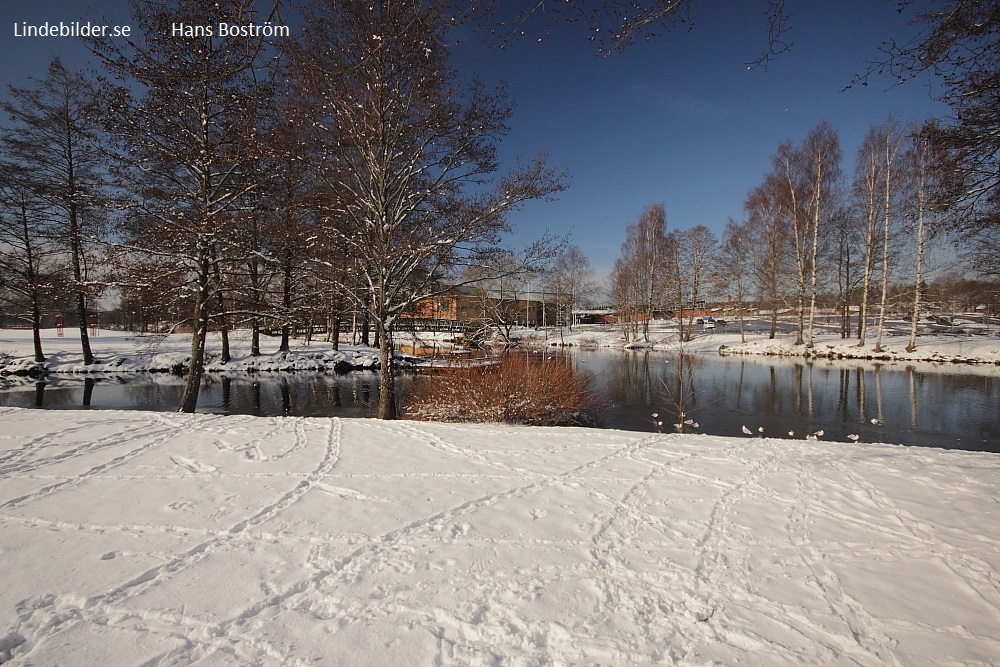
120,352
123,351
968,342
130,538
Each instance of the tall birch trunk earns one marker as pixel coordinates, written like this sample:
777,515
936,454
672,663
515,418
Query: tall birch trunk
817,201
888,175
866,274
918,275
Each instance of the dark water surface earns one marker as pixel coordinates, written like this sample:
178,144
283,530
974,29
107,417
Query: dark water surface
937,405
303,394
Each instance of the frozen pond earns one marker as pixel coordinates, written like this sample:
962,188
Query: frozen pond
938,405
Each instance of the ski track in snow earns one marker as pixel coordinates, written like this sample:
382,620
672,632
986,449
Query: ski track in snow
308,541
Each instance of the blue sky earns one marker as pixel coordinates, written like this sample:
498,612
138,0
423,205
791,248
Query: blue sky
682,120
679,119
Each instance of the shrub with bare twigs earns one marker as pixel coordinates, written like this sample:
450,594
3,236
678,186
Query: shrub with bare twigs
514,391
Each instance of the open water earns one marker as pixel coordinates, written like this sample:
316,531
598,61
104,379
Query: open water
937,405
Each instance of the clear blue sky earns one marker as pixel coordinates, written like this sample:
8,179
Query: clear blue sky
679,119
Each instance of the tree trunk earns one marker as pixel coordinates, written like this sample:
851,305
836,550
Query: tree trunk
335,331
885,266
815,253
223,320
387,380
801,324
192,384
286,299
844,282
223,329
366,325
918,276
866,279
36,307
36,325
256,301
255,337
76,250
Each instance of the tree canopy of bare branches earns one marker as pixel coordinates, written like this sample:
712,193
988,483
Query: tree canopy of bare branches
188,133
409,153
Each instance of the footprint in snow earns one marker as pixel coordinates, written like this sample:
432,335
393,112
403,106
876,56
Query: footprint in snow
193,466
224,446
479,566
341,492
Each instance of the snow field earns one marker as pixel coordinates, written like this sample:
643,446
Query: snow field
164,539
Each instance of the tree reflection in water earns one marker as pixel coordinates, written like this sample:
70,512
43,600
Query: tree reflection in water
939,405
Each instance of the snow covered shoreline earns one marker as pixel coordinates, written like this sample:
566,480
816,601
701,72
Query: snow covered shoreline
974,345
940,350
125,352
161,538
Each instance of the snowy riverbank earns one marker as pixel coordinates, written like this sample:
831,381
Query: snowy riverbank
971,343
159,538
121,352
124,352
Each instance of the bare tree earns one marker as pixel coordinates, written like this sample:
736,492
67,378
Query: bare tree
821,152
55,138
766,207
923,199
613,25
294,206
625,295
877,187
571,280
29,273
735,269
693,255
958,41
865,193
808,175
413,148
189,141
500,286
846,240
637,281
893,177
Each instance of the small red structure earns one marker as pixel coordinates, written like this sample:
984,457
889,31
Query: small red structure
93,325
60,330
